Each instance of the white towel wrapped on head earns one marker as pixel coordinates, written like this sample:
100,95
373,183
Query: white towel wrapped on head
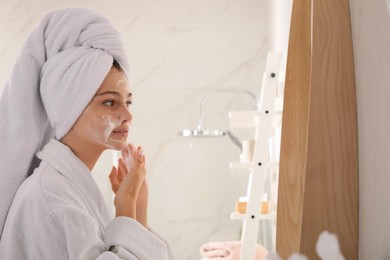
62,64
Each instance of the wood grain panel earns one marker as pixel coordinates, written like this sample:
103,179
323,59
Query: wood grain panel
331,183
294,131
318,184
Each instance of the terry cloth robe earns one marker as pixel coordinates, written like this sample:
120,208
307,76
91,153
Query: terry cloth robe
59,213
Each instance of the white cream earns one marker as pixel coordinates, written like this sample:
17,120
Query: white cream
101,127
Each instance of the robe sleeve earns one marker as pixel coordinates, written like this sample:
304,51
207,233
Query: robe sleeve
77,235
126,233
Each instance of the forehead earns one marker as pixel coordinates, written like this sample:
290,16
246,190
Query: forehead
114,80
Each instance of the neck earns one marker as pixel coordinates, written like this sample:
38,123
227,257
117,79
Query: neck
88,153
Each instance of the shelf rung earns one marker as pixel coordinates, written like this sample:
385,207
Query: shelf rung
241,167
243,119
246,167
238,216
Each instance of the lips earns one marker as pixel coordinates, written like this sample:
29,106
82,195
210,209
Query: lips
122,131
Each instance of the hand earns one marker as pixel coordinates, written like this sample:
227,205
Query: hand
130,186
116,178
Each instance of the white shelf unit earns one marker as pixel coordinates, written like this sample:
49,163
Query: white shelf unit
264,120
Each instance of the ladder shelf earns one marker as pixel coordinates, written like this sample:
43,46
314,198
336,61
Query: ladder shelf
264,120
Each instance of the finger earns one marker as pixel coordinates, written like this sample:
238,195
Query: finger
128,150
145,181
127,156
120,176
131,147
122,168
113,173
125,152
140,153
113,180
117,174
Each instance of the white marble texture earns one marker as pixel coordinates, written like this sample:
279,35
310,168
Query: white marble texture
179,51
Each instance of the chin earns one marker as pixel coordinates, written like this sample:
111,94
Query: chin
119,146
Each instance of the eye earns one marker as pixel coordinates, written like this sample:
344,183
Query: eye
128,103
109,103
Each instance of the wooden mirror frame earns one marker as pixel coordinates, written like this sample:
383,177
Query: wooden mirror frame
318,181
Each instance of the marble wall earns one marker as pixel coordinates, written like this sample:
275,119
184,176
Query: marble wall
179,51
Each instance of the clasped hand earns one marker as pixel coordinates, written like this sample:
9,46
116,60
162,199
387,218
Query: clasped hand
128,182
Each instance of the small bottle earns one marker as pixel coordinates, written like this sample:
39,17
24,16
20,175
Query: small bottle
265,204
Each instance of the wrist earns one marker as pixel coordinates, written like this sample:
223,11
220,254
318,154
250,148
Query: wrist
142,215
125,207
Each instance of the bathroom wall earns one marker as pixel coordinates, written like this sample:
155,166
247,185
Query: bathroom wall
179,51
371,40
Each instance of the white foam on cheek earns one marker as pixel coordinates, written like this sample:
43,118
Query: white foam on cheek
111,125
101,127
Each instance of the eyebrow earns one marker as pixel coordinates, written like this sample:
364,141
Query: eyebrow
113,93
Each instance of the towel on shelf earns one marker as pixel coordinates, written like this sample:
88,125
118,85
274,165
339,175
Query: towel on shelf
229,250
61,65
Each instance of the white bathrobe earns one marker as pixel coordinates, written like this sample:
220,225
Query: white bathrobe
59,213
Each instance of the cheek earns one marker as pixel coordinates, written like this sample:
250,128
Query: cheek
100,127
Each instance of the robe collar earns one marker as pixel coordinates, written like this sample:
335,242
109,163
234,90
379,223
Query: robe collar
61,158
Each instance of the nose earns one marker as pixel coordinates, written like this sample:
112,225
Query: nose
126,115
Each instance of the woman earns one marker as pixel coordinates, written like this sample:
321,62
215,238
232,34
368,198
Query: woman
67,101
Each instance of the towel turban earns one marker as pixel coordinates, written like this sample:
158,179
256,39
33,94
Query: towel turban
61,65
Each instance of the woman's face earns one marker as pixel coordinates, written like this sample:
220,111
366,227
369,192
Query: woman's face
106,120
